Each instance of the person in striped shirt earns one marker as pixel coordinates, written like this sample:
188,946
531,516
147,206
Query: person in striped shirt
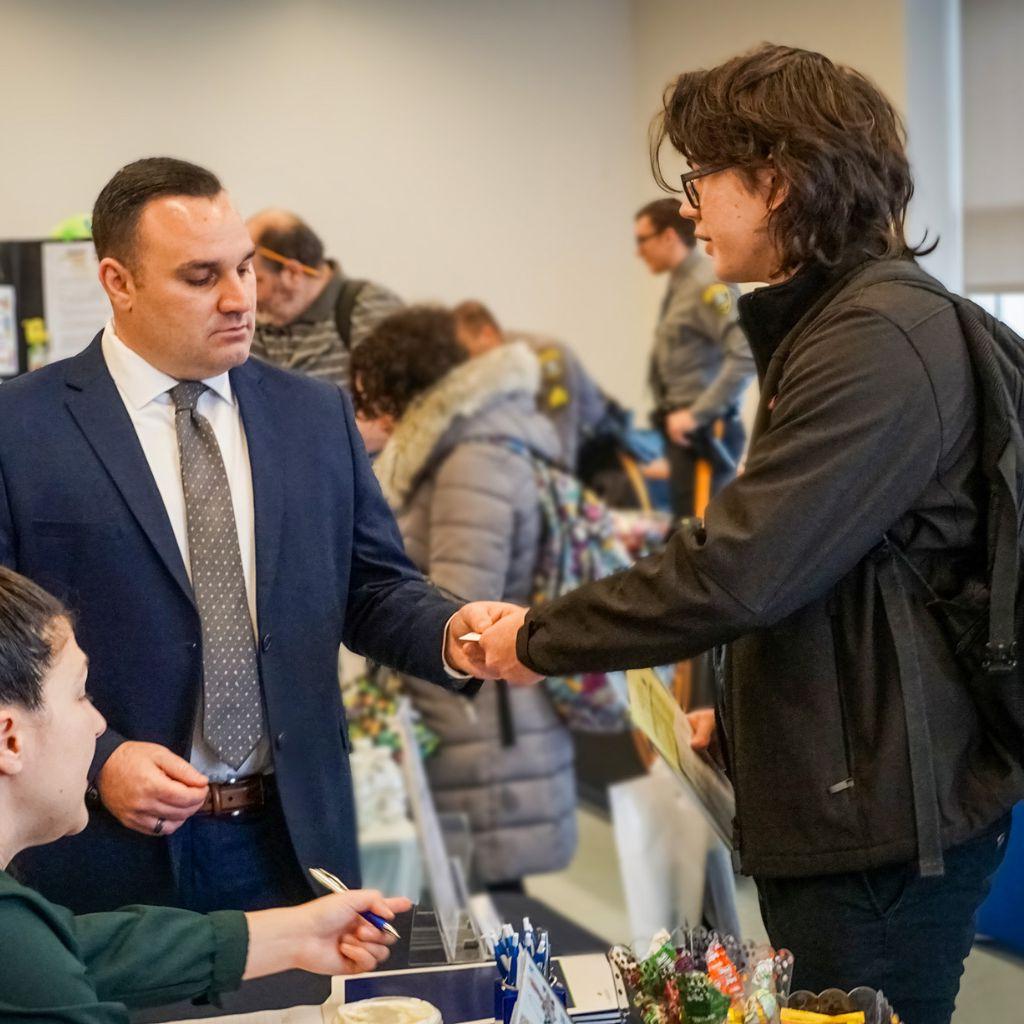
310,314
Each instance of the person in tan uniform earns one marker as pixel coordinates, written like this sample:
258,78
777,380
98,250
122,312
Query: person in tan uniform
701,362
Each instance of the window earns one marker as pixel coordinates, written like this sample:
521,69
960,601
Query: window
1006,306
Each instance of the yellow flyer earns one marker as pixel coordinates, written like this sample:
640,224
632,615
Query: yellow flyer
662,720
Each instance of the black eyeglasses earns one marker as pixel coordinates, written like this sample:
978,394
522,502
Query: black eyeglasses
641,239
688,180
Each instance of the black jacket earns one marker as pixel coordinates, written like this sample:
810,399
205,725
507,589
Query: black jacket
867,424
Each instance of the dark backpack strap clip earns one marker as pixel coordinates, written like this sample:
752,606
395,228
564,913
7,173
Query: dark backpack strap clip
1000,659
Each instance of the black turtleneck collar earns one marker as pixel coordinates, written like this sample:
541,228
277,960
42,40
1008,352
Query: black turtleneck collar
768,314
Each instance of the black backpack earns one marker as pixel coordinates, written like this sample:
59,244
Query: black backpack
984,621
347,299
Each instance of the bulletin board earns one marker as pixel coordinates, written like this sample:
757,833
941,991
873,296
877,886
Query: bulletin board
51,302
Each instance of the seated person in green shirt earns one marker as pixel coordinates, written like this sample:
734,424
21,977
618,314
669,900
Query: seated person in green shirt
57,967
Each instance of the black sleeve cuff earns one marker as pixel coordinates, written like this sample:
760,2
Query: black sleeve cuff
523,643
105,746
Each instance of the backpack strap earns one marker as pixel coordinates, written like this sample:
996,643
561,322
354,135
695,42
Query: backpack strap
999,462
347,299
896,602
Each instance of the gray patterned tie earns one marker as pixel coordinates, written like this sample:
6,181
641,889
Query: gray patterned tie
232,709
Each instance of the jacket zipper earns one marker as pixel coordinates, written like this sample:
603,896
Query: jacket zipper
847,782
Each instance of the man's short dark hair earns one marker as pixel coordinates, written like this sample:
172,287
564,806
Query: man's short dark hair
115,215
405,354
473,315
664,214
295,241
29,628
835,142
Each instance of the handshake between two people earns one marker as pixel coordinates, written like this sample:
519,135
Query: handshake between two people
153,791
494,655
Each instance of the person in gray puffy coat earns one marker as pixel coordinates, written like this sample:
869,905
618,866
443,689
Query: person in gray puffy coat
467,506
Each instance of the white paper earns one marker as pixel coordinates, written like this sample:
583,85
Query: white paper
591,984
8,331
75,305
536,1002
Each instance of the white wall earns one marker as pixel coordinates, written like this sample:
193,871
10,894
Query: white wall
993,37
934,102
449,149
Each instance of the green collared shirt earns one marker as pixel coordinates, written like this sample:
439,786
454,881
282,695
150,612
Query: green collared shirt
88,969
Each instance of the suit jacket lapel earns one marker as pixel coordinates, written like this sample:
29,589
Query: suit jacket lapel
267,463
94,402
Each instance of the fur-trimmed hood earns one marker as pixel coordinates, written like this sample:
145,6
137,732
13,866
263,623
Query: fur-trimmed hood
492,395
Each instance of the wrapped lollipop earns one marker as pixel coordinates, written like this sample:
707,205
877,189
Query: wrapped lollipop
761,1006
702,1002
722,972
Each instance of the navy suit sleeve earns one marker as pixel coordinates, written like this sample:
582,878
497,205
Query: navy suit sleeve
395,616
6,526
110,740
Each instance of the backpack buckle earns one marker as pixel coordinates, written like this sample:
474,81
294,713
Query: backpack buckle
1000,658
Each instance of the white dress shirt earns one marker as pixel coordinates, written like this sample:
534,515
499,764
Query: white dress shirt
144,390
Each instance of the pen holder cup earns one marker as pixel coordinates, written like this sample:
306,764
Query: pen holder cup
505,999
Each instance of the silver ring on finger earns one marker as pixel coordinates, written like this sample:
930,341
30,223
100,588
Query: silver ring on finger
158,827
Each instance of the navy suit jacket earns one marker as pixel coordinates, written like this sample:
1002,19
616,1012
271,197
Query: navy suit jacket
81,515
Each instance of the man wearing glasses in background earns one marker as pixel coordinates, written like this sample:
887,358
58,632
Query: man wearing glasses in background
310,314
701,362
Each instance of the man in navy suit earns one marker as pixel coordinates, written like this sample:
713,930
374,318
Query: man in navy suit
215,524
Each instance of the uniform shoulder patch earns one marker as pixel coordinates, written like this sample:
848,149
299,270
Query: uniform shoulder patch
718,297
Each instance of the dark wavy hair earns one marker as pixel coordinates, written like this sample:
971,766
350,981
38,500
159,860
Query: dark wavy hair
405,354
837,145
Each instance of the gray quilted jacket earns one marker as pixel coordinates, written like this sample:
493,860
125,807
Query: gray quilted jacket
468,511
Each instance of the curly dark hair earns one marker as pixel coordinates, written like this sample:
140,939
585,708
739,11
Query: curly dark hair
404,355
836,143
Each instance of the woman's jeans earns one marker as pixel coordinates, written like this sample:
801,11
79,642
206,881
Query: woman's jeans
887,928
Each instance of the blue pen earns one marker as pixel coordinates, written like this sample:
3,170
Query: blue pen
543,955
335,884
528,936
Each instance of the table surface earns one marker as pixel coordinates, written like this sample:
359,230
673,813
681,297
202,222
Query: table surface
297,988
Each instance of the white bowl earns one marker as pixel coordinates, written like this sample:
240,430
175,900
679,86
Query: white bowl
390,1010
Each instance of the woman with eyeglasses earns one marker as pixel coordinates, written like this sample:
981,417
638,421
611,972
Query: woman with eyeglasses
55,966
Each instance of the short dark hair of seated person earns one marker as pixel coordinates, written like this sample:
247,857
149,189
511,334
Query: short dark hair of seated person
91,968
404,355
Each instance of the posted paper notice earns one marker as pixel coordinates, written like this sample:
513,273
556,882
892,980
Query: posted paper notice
8,331
74,302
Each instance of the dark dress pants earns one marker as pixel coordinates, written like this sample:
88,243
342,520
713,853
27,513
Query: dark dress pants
682,462
887,928
242,863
